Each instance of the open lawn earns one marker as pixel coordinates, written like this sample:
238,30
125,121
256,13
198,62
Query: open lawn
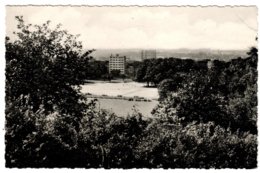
130,89
124,107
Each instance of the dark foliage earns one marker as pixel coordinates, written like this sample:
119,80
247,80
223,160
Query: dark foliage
97,69
153,71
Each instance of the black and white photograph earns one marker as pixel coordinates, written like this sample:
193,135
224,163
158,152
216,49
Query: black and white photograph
130,87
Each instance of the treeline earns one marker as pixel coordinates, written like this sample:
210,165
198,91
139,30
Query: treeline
97,70
224,93
153,71
207,121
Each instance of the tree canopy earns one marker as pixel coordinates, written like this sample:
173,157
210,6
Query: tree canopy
47,66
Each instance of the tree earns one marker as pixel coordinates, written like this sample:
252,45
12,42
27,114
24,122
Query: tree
226,94
166,87
141,71
115,73
123,76
253,52
47,66
97,69
107,76
44,70
175,83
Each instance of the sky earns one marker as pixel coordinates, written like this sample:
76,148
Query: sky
221,28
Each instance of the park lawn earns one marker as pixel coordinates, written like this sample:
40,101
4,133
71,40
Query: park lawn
125,107
119,106
128,89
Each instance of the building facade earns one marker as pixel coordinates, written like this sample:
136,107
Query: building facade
117,63
148,54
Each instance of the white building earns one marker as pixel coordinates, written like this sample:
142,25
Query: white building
117,63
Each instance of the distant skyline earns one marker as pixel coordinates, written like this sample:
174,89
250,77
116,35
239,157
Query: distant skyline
223,28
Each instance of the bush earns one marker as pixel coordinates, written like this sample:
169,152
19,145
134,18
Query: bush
196,146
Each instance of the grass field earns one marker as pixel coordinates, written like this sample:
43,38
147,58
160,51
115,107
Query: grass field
119,106
124,107
129,89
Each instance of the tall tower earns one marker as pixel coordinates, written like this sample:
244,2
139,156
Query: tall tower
148,54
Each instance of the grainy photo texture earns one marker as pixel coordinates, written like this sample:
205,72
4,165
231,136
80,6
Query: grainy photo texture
131,87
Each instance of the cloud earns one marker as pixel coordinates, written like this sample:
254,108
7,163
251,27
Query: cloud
150,27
